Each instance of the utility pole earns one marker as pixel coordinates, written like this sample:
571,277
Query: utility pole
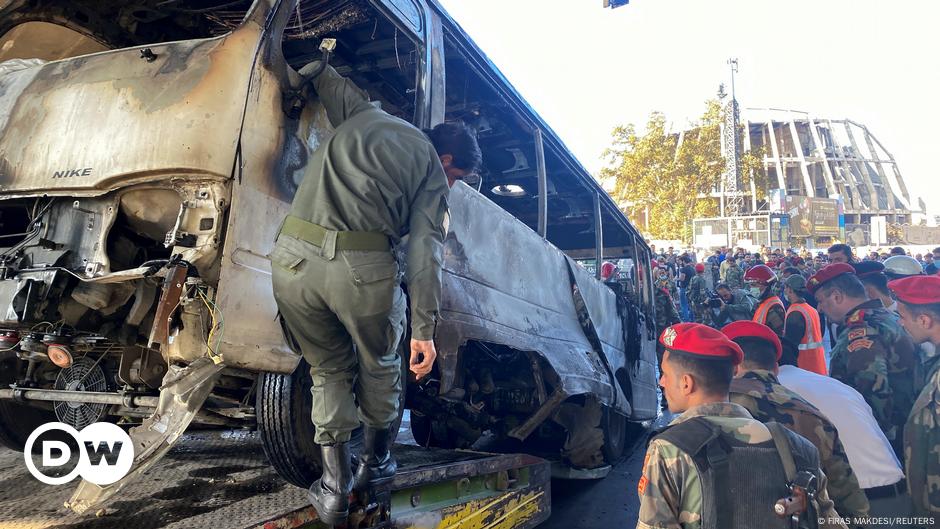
731,200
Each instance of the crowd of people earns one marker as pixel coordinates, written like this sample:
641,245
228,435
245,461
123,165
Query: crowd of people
818,371
714,290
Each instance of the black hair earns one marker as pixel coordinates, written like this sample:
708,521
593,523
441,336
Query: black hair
879,281
930,309
713,374
791,270
935,250
848,284
841,248
897,250
724,286
457,140
758,353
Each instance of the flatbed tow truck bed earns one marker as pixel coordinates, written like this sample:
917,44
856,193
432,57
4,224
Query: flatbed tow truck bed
222,480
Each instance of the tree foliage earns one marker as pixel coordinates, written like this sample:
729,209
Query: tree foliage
665,178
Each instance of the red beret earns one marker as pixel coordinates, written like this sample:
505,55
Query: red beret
699,267
752,329
654,264
917,290
700,340
827,273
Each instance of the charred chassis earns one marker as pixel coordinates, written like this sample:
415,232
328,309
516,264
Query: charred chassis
141,188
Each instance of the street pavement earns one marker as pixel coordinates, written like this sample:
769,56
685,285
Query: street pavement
608,502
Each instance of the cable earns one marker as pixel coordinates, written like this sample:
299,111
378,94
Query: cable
217,325
17,344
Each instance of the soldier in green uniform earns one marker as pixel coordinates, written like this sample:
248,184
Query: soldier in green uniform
698,294
756,388
336,281
666,313
734,276
873,354
919,307
735,305
661,279
716,466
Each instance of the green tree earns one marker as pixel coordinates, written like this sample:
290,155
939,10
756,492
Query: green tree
664,179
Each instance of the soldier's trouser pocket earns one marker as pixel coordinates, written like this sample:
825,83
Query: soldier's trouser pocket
288,255
373,278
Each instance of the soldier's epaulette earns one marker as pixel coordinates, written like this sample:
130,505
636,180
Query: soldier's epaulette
857,318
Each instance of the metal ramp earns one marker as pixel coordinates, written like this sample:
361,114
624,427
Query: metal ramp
219,480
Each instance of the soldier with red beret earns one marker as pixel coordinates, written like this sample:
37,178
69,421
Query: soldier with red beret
919,309
756,388
873,354
715,465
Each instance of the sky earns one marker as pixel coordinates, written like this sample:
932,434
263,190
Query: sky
587,69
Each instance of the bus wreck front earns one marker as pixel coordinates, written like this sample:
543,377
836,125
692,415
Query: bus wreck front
120,248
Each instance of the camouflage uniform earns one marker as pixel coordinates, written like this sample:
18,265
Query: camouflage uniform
666,315
741,307
670,287
669,489
767,400
698,295
921,442
734,277
877,357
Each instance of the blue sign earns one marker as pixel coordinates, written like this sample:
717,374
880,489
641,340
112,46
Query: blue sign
615,3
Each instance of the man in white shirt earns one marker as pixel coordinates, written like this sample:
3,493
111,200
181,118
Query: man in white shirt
873,460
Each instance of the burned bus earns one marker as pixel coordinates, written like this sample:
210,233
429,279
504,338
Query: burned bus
148,153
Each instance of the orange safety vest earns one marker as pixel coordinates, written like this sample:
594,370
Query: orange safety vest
812,354
760,315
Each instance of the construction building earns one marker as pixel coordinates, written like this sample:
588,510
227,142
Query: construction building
826,179
828,158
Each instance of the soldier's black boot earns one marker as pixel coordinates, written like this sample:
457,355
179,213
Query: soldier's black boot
376,464
330,494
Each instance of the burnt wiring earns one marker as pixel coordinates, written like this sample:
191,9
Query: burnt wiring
218,326
34,231
93,366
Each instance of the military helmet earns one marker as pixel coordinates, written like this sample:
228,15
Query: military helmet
902,266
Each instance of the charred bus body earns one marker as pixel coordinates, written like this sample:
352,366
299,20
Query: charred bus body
142,183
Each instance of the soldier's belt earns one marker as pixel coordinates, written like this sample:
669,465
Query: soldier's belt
345,240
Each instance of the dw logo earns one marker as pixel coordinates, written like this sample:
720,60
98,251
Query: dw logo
105,453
